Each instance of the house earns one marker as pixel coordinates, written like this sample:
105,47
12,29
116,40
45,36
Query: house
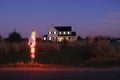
59,34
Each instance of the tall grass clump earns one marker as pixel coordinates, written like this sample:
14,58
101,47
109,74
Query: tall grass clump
116,46
76,44
47,47
13,52
101,48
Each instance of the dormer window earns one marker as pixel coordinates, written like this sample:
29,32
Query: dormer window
49,32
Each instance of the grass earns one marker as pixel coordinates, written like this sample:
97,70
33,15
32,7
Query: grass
116,46
70,53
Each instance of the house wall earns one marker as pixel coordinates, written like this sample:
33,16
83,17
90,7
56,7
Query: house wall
53,36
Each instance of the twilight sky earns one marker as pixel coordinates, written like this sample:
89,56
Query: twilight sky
86,17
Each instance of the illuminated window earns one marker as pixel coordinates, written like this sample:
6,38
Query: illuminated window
55,32
44,38
68,32
60,33
60,39
50,38
49,32
64,33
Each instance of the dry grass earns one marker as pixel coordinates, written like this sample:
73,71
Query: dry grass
116,46
102,49
70,51
46,47
76,44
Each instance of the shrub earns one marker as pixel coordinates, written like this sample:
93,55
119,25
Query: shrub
47,47
101,48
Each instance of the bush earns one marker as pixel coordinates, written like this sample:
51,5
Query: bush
13,52
101,48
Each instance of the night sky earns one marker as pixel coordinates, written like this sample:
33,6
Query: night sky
86,17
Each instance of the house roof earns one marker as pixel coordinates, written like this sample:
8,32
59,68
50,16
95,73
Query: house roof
44,35
63,28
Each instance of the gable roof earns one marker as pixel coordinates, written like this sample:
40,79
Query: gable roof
63,28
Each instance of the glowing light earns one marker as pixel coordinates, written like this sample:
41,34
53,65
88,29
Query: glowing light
60,33
50,38
55,32
32,43
64,33
44,38
68,32
32,56
49,32
60,39
32,50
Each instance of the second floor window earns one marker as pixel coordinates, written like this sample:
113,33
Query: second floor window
68,32
60,33
64,32
49,32
55,32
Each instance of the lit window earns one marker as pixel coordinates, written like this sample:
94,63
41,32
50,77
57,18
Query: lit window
55,32
49,32
64,33
59,32
68,32
60,39
50,38
44,38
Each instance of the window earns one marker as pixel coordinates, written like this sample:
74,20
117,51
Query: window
44,38
49,32
60,39
50,38
64,32
55,32
68,32
60,33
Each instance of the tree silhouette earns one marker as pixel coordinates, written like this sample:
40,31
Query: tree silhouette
14,36
79,38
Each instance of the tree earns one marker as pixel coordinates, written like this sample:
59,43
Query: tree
79,38
14,37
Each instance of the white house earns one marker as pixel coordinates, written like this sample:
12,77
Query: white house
60,33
